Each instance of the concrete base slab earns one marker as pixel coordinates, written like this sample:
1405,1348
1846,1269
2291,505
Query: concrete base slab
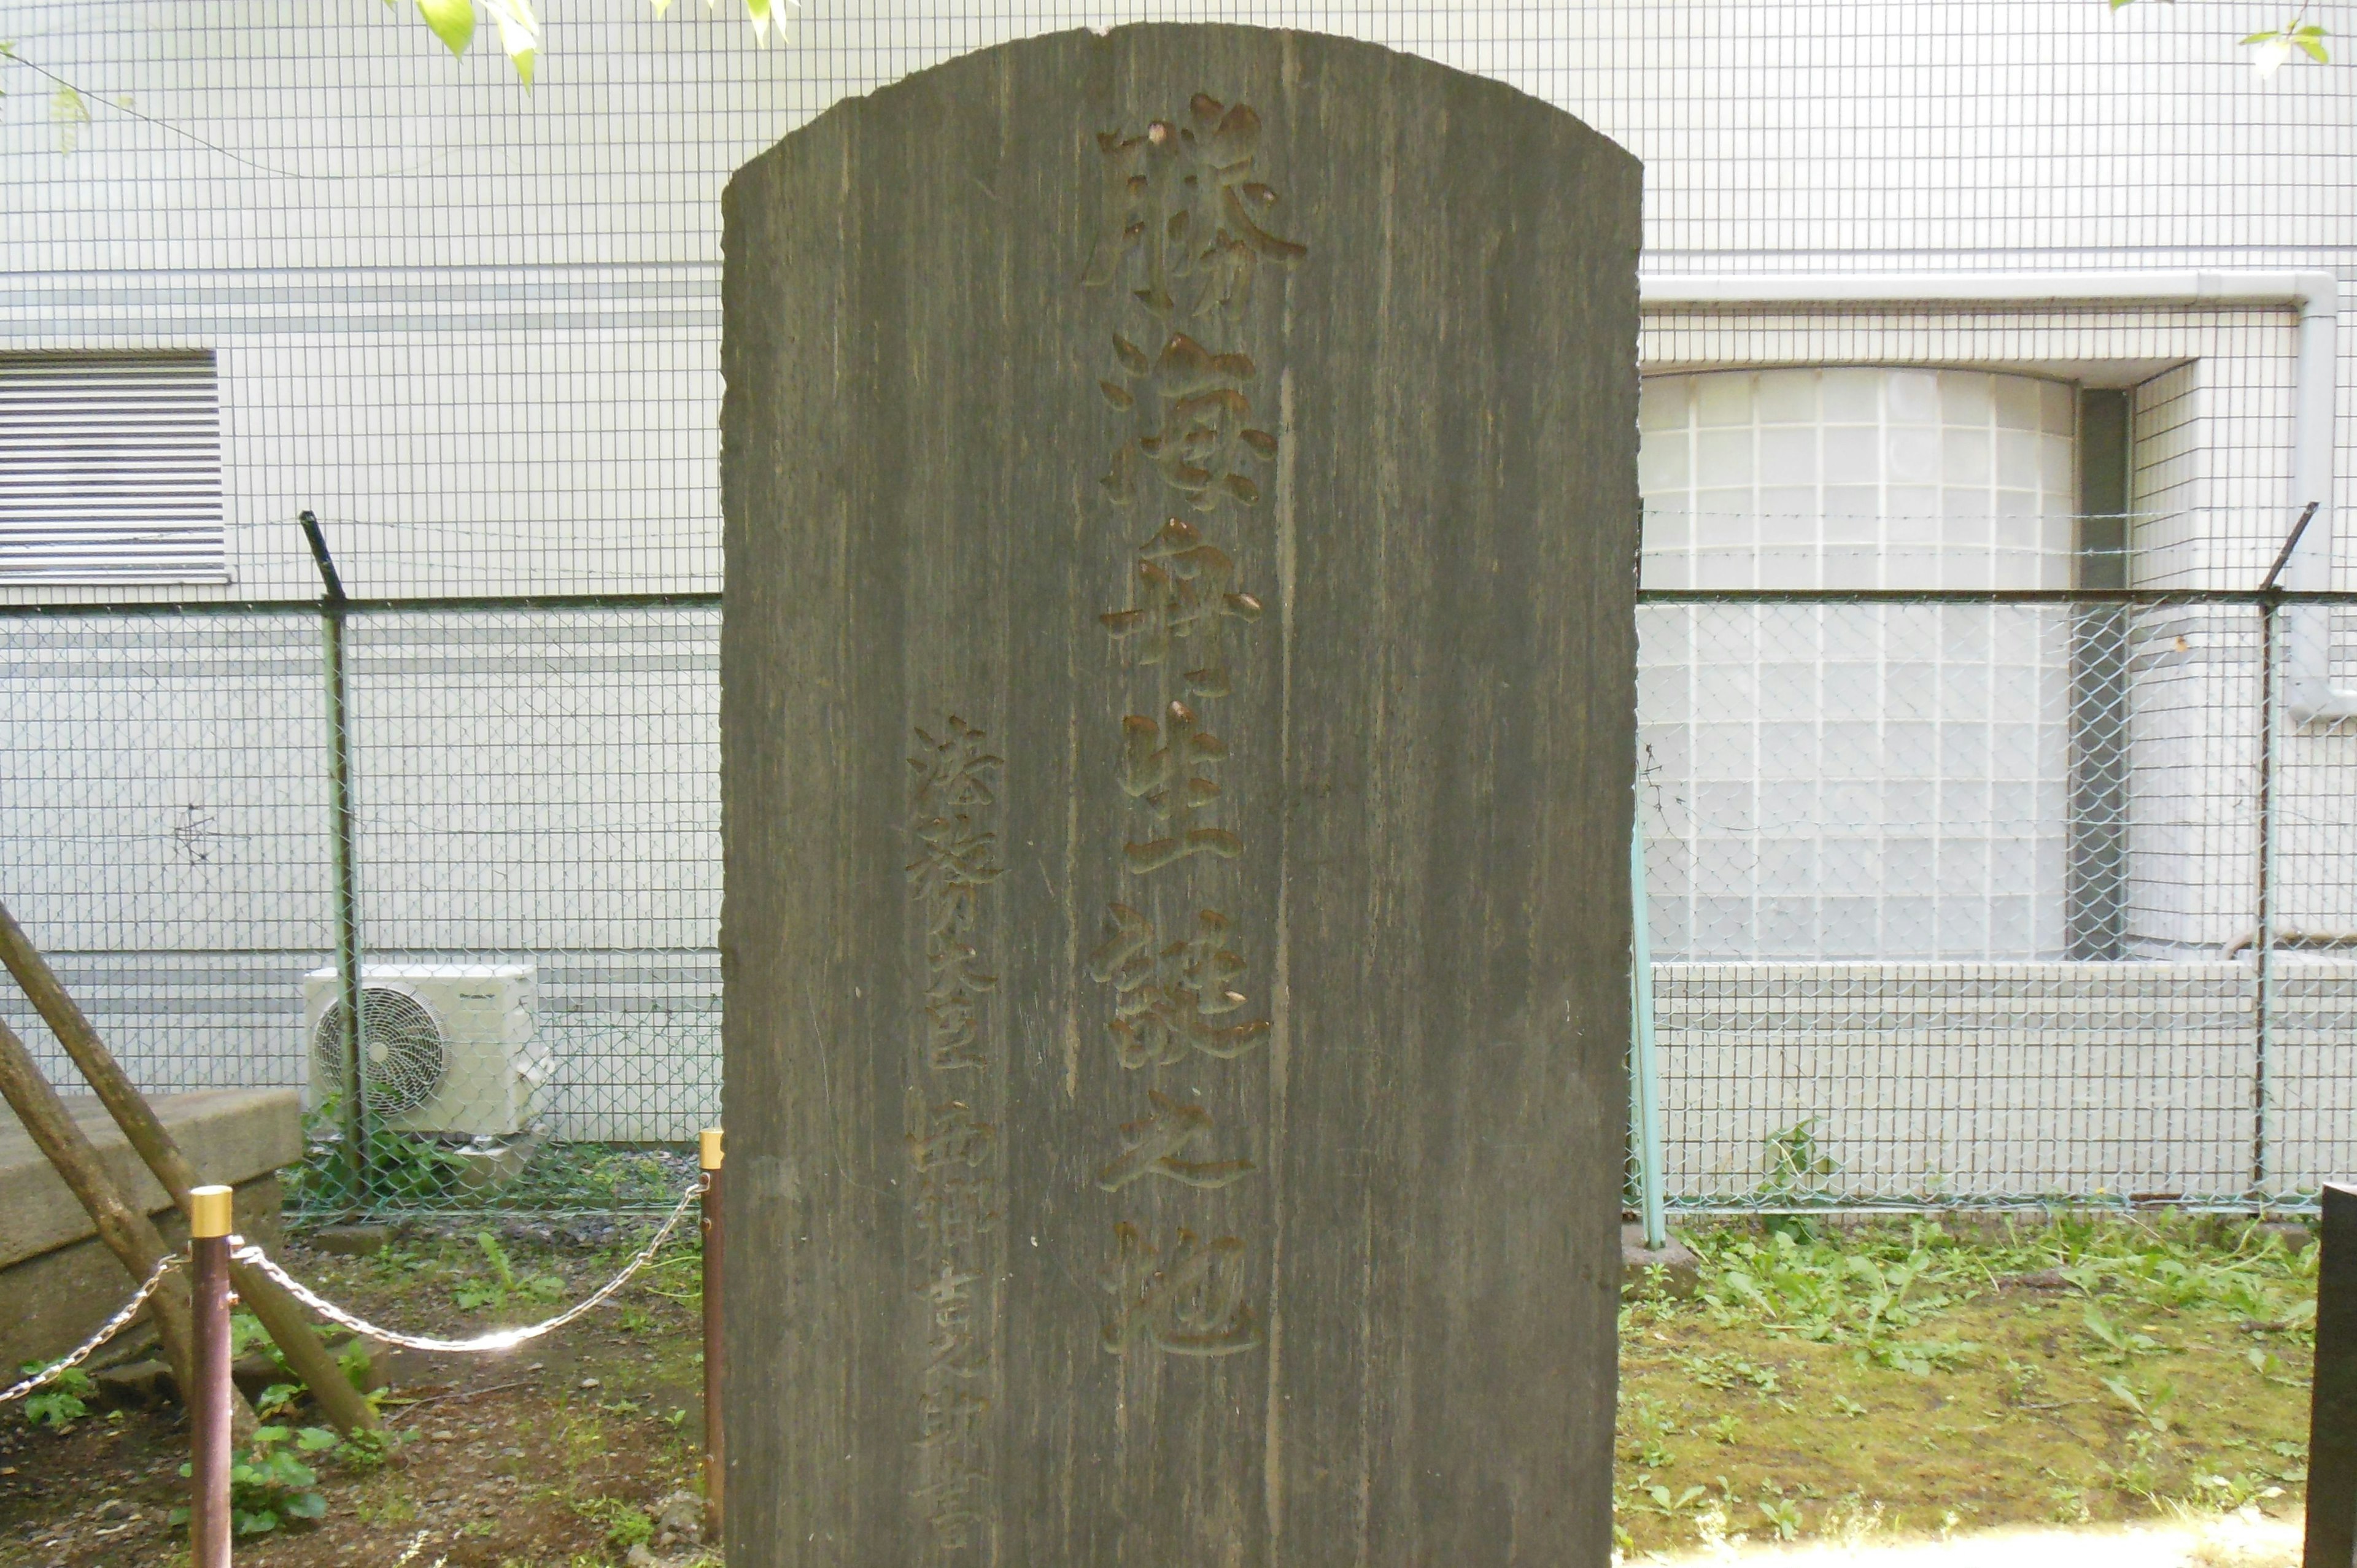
58,1281
1671,1270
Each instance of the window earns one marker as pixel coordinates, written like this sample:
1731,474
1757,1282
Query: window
1855,781
1865,478
109,469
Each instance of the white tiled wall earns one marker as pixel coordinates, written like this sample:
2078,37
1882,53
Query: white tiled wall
475,330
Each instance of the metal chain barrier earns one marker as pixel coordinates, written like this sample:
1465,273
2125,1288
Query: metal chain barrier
108,1330
500,1339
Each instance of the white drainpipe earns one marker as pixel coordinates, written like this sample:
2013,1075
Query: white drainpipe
2316,295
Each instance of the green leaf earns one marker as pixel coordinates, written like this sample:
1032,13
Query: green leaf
759,11
69,114
519,34
453,22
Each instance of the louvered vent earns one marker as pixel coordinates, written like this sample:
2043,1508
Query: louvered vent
110,468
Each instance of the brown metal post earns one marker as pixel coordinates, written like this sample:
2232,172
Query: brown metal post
209,1402
714,1461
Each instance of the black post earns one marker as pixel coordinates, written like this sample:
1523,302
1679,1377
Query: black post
2263,939
2332,1418
333,607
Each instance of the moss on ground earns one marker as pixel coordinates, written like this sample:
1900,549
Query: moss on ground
1904,1377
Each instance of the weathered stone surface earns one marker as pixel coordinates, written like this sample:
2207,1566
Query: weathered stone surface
1176,683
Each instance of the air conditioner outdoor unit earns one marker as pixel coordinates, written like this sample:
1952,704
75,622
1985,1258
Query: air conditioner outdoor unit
444,1048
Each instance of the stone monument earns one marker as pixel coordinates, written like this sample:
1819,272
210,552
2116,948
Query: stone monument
1178,687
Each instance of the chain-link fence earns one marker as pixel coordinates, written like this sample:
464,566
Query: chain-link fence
534,873
1957,898
1981,896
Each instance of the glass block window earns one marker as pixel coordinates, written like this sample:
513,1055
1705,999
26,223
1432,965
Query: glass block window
1858,477
1874,781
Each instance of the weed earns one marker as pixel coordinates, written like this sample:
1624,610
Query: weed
62,1401
2117,1344
1921,1357
625,1525
1661,1500
1798,1168
1652,1455
1724,1372
474,1295
267,1485
365,1452
405,1169
1784,1516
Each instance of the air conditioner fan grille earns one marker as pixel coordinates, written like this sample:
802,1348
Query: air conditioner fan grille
402,1056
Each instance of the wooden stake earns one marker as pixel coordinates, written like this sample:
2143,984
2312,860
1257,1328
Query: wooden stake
279,1313
130,1235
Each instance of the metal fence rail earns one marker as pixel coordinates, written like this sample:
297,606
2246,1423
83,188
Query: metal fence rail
1954,898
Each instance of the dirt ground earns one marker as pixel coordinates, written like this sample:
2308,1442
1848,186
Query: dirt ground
1899,1380
556,1455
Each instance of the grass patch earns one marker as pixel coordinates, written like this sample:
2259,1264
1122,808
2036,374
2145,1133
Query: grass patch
1909,1378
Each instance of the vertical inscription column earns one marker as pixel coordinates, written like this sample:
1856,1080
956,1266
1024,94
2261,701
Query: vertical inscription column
953,1195
1180,252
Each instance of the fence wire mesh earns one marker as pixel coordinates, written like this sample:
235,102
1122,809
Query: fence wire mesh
1951,900
536,877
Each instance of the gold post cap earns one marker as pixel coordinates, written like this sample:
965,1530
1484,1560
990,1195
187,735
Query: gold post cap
707,1148
209,1211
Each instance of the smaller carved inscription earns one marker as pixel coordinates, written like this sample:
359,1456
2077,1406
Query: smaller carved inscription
1172,998
1152,1147
957,1347
953,1507
951,1149
951,1145
1190,1302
